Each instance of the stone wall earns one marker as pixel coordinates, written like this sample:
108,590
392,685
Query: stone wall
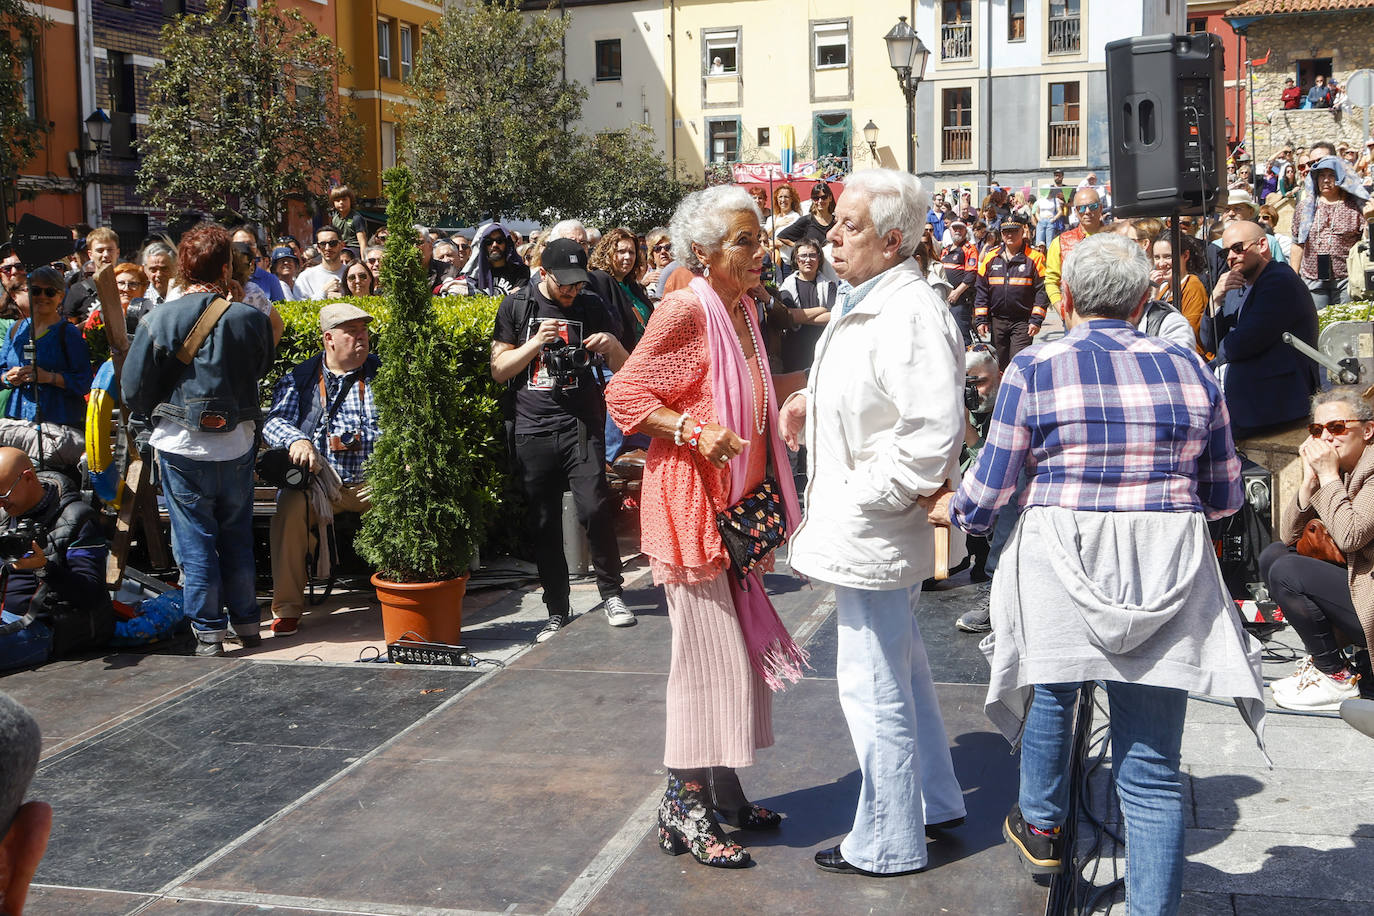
1347,38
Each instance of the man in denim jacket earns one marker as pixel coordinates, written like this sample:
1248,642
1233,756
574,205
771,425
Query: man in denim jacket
204,420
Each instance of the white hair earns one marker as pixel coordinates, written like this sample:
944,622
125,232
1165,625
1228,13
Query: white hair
20,744
1107,275
704,218
564,229
979,356
896,200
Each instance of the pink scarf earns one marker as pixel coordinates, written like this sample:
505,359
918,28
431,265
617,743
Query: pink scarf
771,650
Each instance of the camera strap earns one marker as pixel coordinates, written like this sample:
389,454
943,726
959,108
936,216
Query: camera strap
186,353
312,419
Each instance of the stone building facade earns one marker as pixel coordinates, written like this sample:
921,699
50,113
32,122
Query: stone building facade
1304,37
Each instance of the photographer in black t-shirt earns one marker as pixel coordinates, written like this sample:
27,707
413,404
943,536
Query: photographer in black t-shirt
550,336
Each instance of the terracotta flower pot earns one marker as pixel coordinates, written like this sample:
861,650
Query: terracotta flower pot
429,611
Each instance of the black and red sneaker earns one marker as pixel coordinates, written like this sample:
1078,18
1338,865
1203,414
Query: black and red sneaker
1042,853
285,626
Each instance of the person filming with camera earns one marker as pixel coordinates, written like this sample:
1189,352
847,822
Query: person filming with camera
323,421
550,334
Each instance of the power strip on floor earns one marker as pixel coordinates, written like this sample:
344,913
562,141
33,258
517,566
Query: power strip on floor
411,652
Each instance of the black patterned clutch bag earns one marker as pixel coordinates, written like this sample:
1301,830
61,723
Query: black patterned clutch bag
753,527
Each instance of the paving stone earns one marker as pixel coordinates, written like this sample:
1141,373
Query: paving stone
1304,747
1283,800
1280,864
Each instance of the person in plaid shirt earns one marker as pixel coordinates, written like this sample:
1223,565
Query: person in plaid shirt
323,414
1110,574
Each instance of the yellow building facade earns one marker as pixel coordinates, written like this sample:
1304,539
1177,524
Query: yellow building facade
381,41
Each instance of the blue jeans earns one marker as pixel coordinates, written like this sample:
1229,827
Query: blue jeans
1045,231
210,506
617,443
1146,732
889,703
1004,523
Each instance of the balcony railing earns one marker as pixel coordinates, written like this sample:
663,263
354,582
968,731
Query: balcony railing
1063,140
958,144
1065,35
956,41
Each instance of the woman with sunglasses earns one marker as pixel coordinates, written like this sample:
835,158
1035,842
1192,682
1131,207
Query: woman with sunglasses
1330,606
660,256
816,224
786,211
55,389
359,280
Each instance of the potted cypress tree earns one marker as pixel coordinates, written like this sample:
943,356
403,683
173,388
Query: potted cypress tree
430,474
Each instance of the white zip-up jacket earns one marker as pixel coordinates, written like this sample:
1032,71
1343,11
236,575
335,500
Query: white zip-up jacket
884,424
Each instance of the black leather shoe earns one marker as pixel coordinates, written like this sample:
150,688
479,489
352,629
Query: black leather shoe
944,825
831,860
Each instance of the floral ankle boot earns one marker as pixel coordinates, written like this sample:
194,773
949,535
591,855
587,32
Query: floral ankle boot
686,824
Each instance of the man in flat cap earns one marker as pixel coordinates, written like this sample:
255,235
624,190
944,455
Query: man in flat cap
324,416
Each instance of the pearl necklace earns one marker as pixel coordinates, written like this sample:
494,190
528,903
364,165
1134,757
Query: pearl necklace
760,409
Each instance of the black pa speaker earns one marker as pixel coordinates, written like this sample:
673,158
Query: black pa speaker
1167,123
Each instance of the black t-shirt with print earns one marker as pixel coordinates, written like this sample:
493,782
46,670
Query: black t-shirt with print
540,405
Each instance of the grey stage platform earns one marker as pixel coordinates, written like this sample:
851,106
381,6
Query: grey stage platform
198,786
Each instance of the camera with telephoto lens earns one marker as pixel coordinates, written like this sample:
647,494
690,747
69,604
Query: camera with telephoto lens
973,399
17,543
565,361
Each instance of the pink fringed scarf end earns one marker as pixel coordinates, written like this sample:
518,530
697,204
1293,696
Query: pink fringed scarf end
772,651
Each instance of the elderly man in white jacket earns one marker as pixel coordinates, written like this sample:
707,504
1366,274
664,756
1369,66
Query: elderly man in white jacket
883,420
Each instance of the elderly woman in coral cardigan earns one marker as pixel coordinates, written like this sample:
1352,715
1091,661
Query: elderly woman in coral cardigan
699,384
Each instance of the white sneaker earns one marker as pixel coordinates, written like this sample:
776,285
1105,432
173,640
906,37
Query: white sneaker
1315,692
1289,683
556,623
618,614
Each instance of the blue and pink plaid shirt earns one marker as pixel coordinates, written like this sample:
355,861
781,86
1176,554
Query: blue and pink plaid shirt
1105,419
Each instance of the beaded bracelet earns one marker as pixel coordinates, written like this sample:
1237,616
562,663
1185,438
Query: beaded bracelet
677,431
695,437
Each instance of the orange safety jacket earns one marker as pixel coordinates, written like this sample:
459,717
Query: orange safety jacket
1011,286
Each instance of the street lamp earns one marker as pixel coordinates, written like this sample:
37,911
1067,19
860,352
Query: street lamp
98,129
84,162
871,138
908,55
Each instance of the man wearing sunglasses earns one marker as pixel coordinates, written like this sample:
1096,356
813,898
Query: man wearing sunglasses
14,278
1010,303
1266,382
1087,206
327,277
497,269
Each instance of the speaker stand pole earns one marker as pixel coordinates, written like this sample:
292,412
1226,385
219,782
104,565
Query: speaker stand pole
1176,257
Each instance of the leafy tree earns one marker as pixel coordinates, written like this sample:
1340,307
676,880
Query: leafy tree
488,133
20,137
435,474
244,112
623,181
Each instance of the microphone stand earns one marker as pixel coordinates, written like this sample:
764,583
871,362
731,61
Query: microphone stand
31,357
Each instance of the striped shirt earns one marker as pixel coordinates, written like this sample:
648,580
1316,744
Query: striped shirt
1105,419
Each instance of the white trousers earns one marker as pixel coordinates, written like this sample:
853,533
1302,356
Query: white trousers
889,702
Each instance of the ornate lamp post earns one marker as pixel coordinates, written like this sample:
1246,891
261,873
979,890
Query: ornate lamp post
871,138
908,56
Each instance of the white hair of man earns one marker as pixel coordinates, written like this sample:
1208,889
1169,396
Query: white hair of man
565,228
593,236
977,357
20,744
896,200
1107,276
157,247
703,218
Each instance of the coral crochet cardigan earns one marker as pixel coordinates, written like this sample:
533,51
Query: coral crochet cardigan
681,492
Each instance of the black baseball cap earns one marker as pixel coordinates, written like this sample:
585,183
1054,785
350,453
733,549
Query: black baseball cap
1016,219
566,261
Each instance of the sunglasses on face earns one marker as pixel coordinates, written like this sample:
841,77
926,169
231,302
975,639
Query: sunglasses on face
330,243
43,291
1239,247
495,240
1087,208
11,268
1334,427
663,248
818,193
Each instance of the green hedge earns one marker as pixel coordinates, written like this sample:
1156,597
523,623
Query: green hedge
1350,311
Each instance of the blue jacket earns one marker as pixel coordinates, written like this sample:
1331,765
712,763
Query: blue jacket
61,349
220,387
1267,382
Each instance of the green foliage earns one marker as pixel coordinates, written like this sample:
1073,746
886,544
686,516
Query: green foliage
436,472
624,182
1350,311
245,108
20,137
487,135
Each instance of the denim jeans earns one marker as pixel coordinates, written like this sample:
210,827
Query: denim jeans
210,506
894,719
1328,292
1004,523
1045,231
1146,732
